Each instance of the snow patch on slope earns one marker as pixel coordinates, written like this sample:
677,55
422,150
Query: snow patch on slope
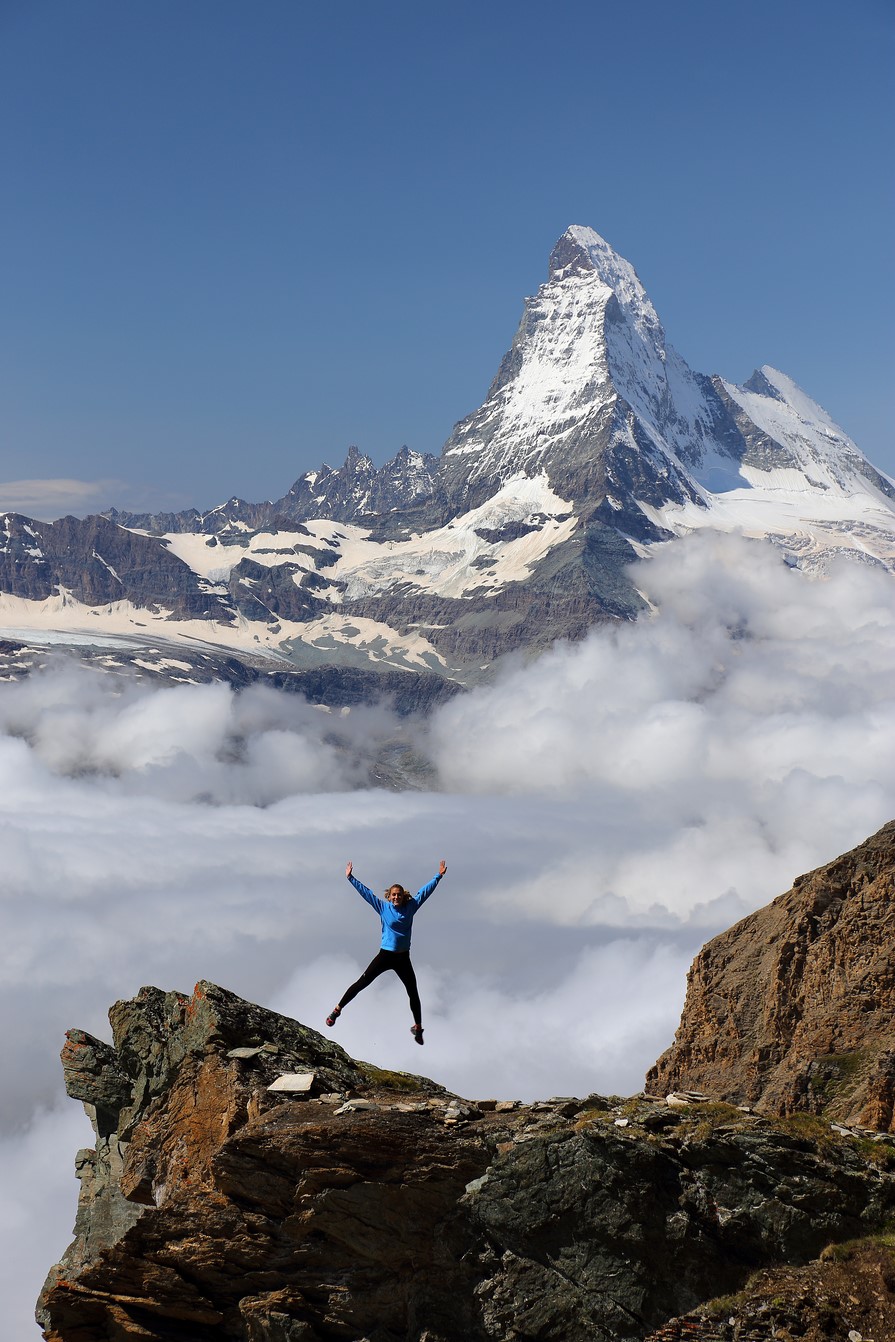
63,620
559,373
461,558
618,275
449,561
210,559
811,526
825,454
375,641
559,380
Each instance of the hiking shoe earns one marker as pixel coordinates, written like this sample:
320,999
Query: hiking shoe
417,1032
333,1016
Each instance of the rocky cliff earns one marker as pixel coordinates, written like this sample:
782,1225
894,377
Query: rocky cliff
252,1181
792,1009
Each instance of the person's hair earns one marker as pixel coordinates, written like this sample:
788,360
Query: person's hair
396,885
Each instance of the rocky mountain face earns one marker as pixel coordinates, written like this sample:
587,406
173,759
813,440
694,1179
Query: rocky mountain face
95,564
595,441
330,687
792,1009
252,1181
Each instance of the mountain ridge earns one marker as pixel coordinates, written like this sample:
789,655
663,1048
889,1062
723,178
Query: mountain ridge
595,443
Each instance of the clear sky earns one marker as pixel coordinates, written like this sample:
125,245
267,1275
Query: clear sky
238,238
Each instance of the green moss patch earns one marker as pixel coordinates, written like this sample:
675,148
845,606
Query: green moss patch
405,1082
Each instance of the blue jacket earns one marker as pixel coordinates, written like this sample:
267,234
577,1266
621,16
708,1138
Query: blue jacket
396,923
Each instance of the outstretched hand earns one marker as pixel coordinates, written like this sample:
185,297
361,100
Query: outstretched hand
442,867
349,869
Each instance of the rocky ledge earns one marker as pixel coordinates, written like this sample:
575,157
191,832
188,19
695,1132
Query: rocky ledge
252,1181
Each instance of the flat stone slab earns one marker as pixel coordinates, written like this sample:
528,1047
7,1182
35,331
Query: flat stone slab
680,1099
252,1051
293,1083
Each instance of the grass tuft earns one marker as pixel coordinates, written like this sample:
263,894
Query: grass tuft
379,1076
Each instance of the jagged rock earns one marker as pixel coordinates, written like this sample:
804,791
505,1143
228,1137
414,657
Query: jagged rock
792,1008
92,1074
272,1318
216,1210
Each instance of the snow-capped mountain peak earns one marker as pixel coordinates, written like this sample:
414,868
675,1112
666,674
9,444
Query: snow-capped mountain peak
807,439
596,440
582,248
768,381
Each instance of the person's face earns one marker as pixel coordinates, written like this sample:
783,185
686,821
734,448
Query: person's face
396,896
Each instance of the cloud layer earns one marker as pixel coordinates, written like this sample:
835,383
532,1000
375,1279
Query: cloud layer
602,812
51,498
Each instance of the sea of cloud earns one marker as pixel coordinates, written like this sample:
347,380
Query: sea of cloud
603,811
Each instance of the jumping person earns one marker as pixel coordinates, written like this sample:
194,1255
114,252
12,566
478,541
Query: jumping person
397,911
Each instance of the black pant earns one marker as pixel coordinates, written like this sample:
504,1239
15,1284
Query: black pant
399,961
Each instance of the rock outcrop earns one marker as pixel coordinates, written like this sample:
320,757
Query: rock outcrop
794,1007
357,1204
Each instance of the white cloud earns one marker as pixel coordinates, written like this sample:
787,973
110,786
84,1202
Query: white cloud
604,810
37,1209
52,498
189,742
49,498
588,1028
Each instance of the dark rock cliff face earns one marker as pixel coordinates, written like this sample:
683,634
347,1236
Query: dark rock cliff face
97,562
376,1206
793,1008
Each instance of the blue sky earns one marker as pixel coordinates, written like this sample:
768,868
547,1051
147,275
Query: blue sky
240,237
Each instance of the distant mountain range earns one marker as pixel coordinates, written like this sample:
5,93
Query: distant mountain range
596,441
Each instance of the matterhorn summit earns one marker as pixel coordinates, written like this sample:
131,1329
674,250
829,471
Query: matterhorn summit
596,441
592,393
589,374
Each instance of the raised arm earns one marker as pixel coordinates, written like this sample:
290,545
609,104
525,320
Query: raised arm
423,894
364,891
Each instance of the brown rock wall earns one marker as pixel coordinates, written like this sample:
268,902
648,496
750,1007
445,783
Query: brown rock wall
794,1007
